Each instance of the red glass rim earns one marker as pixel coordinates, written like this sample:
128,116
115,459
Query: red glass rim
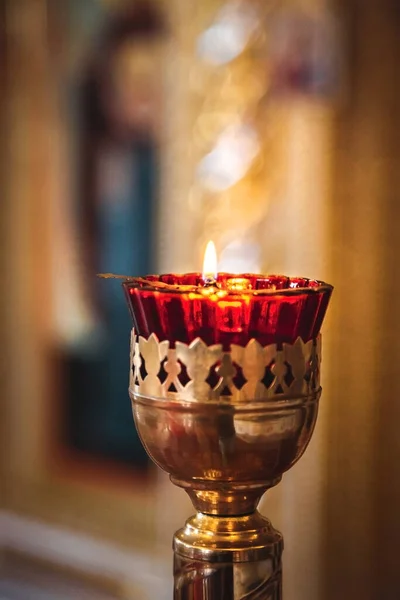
270,308
260,284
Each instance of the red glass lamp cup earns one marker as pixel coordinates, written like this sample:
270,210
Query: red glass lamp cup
272,309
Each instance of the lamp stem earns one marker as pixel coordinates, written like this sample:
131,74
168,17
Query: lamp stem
227,567
199,580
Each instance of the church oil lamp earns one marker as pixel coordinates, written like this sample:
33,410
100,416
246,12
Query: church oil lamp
225,385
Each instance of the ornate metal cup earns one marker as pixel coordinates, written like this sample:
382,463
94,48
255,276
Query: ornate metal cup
225,388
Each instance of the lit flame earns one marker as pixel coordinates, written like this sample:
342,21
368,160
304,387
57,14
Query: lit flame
210,262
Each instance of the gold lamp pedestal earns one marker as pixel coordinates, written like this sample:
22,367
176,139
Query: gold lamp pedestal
243,560
225,425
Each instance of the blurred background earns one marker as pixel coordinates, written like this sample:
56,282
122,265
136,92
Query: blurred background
131,133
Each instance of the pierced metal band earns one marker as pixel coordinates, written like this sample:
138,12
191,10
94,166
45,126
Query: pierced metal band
197,372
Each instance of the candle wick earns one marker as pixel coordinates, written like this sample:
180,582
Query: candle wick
209,281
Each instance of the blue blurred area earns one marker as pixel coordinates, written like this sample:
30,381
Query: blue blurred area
100,418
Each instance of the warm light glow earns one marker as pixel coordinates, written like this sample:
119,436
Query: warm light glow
210,262
238,284
230,159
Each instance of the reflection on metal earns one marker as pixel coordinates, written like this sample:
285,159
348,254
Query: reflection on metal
252,571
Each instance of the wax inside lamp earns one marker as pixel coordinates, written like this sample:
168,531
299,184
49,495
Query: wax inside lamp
226,308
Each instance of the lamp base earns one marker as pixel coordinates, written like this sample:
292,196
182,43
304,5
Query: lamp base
228,558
